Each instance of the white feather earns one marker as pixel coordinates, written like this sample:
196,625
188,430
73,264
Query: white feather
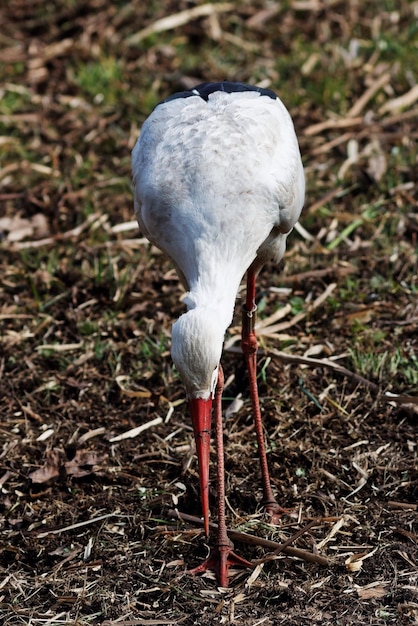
218,185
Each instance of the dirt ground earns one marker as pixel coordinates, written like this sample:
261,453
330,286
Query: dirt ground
96,442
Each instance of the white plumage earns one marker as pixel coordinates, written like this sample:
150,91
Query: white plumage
219,185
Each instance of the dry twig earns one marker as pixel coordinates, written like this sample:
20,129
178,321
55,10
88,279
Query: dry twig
179,19
258,541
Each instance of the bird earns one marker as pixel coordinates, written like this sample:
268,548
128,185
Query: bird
218,186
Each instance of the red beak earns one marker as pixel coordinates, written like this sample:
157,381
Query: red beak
201,416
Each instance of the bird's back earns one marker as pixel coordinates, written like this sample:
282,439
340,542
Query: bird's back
215,174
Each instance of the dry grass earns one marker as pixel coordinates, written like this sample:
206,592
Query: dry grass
96,441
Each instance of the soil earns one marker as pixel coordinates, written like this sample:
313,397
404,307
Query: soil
88,534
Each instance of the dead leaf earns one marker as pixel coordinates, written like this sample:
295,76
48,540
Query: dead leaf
354,563
368,592
18,228
361,316
51,468
84,463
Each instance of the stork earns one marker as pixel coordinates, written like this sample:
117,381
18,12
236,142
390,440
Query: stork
218,186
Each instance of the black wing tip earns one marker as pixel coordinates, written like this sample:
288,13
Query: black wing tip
204,90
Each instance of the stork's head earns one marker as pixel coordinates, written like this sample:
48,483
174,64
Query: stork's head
197,339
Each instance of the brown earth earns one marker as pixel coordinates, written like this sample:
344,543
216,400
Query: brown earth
86,308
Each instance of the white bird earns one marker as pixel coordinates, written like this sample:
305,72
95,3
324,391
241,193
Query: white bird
219,185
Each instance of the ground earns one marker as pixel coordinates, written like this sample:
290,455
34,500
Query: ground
86,307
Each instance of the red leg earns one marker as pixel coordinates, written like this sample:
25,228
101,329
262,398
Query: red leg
249,348
222,556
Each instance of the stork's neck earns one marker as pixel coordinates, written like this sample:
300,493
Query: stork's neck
216,296
198,335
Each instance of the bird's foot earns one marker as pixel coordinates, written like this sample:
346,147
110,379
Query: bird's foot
220,560
275,512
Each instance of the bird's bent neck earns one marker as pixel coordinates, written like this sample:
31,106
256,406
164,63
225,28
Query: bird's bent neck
214,298
197,340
